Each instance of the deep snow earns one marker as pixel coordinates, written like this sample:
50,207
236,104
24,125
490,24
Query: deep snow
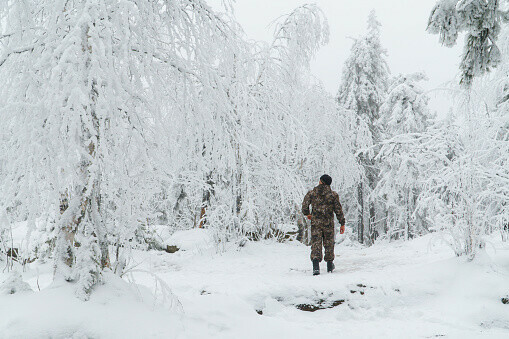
414,289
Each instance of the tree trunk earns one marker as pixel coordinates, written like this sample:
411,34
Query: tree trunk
371,226
360,213
407,216
207,192
69,231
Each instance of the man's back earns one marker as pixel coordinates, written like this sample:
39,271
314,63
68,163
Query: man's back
325,203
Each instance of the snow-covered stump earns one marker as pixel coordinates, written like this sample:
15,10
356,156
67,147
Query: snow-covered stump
196,239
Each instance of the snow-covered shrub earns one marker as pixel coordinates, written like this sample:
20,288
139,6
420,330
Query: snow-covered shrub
14,284
465,188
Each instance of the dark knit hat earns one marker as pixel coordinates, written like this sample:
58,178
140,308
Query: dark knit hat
327,180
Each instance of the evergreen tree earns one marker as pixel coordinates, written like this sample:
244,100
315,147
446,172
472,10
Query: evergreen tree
363,88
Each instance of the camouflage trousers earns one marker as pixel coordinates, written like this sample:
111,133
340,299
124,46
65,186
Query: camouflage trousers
322,235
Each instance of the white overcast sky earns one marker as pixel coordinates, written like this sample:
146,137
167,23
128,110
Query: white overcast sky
410,48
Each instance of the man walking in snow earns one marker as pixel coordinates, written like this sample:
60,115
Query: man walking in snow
325,203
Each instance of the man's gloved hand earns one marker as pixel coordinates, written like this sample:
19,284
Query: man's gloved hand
342,229
309,217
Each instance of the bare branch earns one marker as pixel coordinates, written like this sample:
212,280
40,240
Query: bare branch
15,51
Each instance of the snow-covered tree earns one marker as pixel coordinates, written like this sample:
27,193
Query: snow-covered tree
403,117
242,159
499,126
405,109
363,88
452,190
365,76
465,177
468,192
490,128
84,105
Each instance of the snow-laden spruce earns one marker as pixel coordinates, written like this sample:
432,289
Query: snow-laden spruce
362,90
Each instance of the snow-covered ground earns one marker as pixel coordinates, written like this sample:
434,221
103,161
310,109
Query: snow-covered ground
416,289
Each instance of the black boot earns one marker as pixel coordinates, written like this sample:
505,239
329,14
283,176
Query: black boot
330,266
316,267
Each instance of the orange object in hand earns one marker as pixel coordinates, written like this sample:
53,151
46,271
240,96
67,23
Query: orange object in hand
342,229
309,217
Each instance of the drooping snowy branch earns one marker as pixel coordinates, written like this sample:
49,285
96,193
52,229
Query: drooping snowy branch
481,20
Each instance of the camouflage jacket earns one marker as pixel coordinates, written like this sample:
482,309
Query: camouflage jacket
325,203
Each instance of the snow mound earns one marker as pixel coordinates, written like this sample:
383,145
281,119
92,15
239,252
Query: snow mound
189,240
288,228
116,309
